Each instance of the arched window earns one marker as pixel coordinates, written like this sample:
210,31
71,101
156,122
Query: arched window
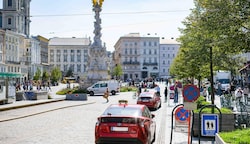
155,68
144,68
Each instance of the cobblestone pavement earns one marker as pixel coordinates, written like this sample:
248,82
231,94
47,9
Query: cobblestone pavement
73,122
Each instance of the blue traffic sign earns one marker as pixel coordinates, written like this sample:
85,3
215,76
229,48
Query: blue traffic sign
209,124
181,114
190,93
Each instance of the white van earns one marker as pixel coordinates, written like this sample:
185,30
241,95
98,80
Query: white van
100,87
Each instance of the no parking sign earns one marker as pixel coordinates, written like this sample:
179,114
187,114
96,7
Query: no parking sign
181,114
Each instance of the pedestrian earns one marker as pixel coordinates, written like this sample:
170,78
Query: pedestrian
219,89
106,95
158,90
166,93
175,93
139,90
49,86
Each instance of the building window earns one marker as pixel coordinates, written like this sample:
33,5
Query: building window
163,55
9,3
155,43
149,44
65,68
72,58
163,62
79,68
144,44
9,21
173,55
155,51
126,51
150,51
65,58
130,51
78,58
144,52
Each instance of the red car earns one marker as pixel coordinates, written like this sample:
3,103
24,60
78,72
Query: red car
125,123
150,98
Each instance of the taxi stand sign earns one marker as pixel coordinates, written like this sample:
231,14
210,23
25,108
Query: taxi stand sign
209,124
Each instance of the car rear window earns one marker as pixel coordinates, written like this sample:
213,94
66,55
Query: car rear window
145,98
122,111
147,94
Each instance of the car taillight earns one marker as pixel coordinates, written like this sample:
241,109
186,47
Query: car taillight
133,129
104,128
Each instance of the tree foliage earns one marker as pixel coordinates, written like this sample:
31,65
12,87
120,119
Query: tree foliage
117,71
56,74
218,26
37,75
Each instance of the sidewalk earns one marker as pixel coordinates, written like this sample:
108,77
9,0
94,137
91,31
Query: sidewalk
7,109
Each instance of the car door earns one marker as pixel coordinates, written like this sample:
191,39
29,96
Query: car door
150,122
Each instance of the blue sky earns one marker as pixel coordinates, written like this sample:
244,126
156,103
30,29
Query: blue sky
164,18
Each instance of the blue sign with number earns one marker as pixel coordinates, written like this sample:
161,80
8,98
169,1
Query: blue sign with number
209,124
190,93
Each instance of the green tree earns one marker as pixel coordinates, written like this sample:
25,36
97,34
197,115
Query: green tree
37,75
56,74
45,76
117,71
217,27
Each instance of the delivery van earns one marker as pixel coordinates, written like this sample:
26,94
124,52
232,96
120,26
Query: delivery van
101,86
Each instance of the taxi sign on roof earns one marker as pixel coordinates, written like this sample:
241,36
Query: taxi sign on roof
123,101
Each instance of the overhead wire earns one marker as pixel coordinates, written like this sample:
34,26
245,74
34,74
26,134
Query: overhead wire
111,13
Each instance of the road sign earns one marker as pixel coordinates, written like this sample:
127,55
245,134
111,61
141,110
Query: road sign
190,93
209,124
181,114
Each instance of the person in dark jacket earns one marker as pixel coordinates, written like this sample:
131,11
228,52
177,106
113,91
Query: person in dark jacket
166,93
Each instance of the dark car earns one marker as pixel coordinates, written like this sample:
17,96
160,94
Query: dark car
150,98
125,123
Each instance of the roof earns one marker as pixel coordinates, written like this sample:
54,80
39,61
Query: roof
69,41
168,41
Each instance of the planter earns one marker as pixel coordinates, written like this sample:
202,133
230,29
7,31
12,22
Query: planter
228,121
219,140
77,96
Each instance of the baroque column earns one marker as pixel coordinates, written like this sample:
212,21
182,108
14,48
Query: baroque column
97,63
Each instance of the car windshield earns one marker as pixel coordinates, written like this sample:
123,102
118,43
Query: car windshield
123,111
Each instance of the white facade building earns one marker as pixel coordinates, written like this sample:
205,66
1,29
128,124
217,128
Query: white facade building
168,51
69,54
138,56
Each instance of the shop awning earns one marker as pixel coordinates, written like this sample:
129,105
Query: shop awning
9,75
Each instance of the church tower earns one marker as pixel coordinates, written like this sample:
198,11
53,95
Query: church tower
16,16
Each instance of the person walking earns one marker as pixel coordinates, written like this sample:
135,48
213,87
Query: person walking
166,93
106,95
175,93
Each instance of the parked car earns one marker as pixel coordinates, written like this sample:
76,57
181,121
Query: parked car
150,98
101,86
125,123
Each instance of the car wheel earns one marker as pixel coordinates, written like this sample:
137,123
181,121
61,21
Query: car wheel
113,92
91,93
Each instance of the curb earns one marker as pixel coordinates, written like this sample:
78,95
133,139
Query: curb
31,104
45,111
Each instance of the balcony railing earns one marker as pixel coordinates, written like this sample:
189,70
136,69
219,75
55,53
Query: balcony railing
150,64
132,63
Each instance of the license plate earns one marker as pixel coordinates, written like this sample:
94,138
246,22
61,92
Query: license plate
119,128
145,100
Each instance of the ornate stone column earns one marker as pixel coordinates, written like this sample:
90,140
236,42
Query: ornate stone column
97,63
